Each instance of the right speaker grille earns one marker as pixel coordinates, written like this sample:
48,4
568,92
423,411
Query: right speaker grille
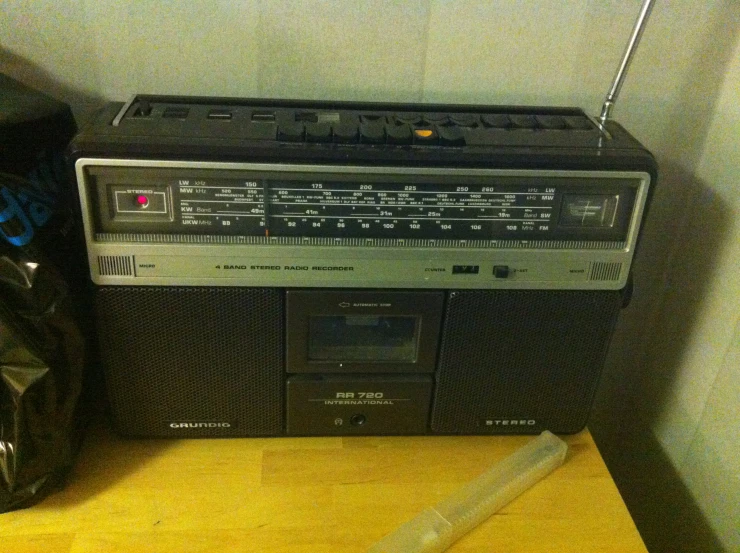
521,360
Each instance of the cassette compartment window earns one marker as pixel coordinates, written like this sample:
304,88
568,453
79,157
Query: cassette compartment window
362,331
365,338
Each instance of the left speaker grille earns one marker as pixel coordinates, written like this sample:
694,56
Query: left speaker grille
193,355
115,265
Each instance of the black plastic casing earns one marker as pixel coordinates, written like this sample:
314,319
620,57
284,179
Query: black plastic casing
172,354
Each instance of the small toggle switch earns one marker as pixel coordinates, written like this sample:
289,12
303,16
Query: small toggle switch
501,271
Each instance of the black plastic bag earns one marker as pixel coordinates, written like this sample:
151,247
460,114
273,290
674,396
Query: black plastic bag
42,348
41,373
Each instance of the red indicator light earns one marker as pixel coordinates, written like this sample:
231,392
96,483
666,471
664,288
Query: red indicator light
142,200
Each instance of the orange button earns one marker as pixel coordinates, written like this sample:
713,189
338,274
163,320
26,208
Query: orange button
423,133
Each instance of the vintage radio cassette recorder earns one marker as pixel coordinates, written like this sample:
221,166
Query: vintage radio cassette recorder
268,268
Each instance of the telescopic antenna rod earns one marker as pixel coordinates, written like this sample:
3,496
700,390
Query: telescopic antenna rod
629,52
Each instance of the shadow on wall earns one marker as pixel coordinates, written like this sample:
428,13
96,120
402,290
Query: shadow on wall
664,511
703,221
678,144
660,503
24,71
700,240
678,148
676,132
682,241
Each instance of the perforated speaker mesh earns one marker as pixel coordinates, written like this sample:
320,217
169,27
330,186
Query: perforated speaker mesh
521,360
176,355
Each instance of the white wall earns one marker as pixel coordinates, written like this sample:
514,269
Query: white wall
667,352
698,421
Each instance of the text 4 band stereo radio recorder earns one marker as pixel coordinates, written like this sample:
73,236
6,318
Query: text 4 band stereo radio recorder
267,268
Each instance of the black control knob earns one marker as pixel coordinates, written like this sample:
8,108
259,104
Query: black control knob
399,134
358,420
318,132
291,132
346,133
436,118
451,136
523,121
372,118
496,120
410,118
464,119
551,122
372,132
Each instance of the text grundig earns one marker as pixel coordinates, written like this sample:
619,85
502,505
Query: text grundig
200,425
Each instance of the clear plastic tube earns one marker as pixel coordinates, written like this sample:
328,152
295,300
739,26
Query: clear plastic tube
436,528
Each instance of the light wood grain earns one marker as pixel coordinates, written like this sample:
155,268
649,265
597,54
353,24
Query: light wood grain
310,495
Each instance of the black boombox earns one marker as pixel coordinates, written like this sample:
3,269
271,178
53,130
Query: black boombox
268,268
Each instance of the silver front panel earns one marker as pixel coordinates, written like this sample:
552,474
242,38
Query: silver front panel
142,227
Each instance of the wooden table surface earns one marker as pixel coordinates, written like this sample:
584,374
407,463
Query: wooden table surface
310,495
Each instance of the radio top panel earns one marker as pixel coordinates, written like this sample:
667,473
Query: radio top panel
170,184
357,133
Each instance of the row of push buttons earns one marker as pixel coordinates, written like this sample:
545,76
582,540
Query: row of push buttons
467,120
370,133
500,121
417,128
351,126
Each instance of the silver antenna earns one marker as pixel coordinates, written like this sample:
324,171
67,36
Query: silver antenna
629,52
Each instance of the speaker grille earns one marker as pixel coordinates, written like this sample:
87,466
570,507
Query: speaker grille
193,355
521,355
115,265
605,271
